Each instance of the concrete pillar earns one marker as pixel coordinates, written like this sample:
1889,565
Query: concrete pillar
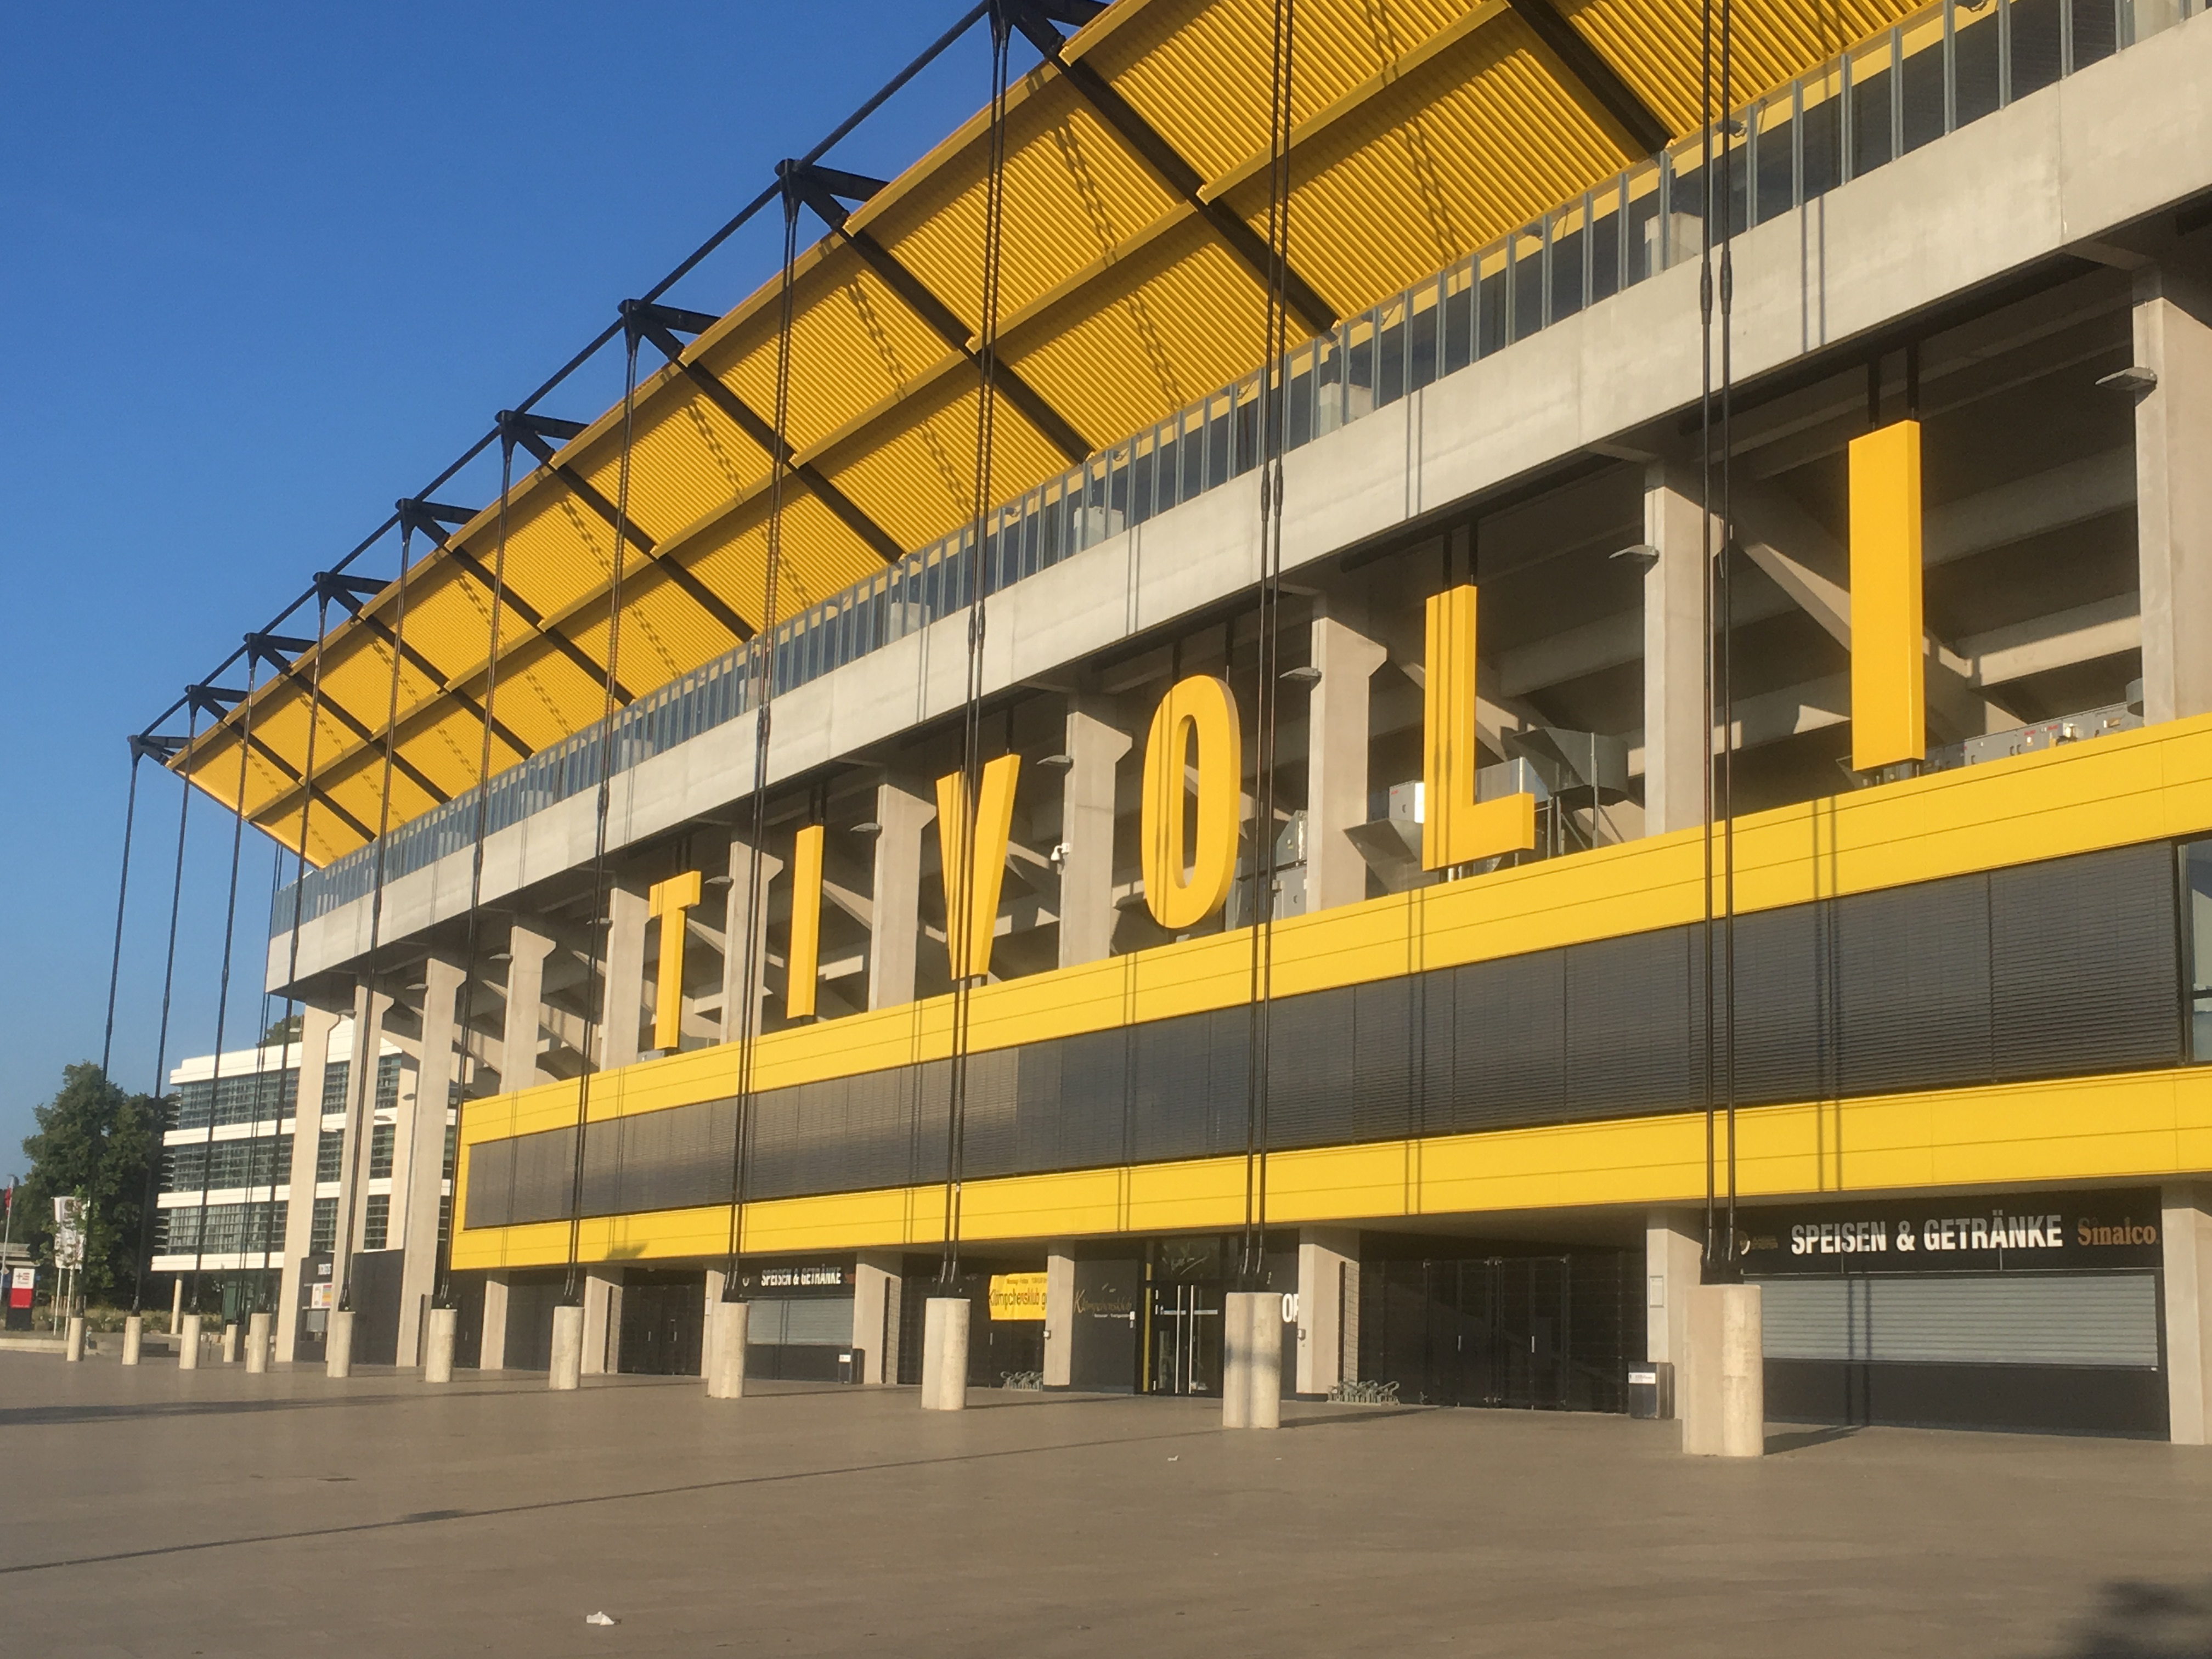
1059,1317
1678,740
567,1371
1252,1359
622,1012
370,1005
602,1320
739,906
945,1353
1674,1246
316,1025
188,1343
1329,1308
134,1335
876,1285
726,1334
176,1305
1720,1384
418,1153
73,1341
257,1342
521,1032
337,1344
2173,492
1095,746
1336,762
438,1346
491,1350
896,924
230,1342
2186,1235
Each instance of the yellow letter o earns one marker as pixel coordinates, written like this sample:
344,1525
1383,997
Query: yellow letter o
1180,892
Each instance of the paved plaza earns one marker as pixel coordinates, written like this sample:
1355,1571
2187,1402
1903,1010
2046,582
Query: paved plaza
156,1512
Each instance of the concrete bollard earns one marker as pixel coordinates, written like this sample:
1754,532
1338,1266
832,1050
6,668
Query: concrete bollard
725,1350
134,1333
257,1342
230,1342
188,1343
73,1343
1252,1360
945,1353
1721,1388
337,1344
568,1370
438,1346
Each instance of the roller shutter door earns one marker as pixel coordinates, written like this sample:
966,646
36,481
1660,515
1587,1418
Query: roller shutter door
2100,1320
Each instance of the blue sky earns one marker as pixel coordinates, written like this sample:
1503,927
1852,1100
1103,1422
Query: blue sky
267,268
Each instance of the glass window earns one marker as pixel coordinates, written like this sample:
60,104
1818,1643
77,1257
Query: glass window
2096,32
323,1230
1923,91
376,1225
380,1152
1975,61
1774,169
1820,134
329,1152
1873,85
2197,938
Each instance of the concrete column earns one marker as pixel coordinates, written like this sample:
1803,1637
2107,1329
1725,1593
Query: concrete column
1329,1308
134,1336
491,1350
945,1353
2173,493
418,1153
1678,740
602,1320
1674,1246
2186,1232
622,1012
1059,1317
1336,762
316,1025
73,1341
568,1347
176,1305
876,1285
1095,746
726,1334
1720,1384
1252,1359
257,1342
230,1342
370,1004
337,1344
188,1344
897,925
526,951
438,1346
739,906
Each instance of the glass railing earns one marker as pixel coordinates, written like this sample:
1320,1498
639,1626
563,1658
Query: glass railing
1940,68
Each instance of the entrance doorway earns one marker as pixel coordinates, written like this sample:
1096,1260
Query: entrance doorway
1523,1332
1182,1332
664,1322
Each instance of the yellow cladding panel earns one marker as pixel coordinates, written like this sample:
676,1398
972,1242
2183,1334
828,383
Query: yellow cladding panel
670,902
1195,726
2139,1127
1456,828
972,852
2129,787
1889,709
802,961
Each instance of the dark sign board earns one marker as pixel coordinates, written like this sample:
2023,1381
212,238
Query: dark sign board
783,1279
2005,1232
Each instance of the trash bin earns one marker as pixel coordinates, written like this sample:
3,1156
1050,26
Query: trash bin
1651,1389
852,1364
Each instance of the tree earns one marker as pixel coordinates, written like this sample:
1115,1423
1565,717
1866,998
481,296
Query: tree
95,1142
280,1031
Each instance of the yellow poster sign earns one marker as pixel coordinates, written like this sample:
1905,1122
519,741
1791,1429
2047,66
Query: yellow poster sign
1017,1296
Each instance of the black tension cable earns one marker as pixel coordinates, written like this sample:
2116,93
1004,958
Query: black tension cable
570,1290
1273,416
762,693
139,749
1706,597
1725,581
361,1109
160,1093
960,908
222,983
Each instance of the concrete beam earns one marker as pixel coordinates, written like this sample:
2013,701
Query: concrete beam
1337,746
316,1027
527,947
894,928
1096,745
2103,628
2173,493
622,1008
738,905
418,1154
1677,720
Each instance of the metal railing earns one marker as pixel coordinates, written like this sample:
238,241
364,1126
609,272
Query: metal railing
1945,66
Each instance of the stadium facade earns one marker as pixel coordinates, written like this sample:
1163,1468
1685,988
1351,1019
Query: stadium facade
1921,1007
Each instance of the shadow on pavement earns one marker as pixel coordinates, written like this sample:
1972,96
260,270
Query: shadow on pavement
1799,1439
2137,1620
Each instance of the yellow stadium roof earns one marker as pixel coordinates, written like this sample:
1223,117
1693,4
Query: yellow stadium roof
1135,198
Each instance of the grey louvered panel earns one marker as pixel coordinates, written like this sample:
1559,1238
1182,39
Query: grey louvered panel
929,1091
1041,1117
1785,1004
1634,1024
989,1141
1914,984
1094,1100
772,1161
1312,1073
1228,1079
1170,1105
2105,1320
2085,973
1383,1063
1509,1041
539,1175
491,1168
